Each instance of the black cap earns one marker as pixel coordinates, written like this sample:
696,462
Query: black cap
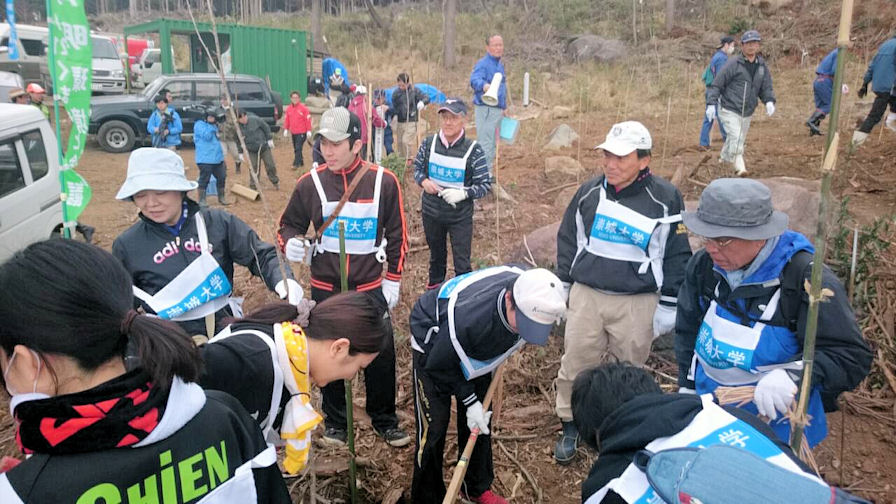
727,39
454,105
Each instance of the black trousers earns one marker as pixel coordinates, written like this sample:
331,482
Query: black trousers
379,379
881,100
298,141
206,170
264,155
432,409
437,229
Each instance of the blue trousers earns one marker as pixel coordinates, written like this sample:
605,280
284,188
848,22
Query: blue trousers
707,127
823,89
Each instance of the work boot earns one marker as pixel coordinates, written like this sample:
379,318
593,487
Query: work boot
334,437
565,449
394,436
740,168
814,121
858,138
222,197
891,121
487,497
202,201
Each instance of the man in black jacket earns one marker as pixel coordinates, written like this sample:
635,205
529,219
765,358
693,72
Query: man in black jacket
622,249
740,84
461,333
620,410
259,141
453,171
407,103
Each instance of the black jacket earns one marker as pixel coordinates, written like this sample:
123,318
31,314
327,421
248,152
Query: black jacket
733,82
842,358
646,195
643,419
481,329
256,133
153,256
209,445
404,103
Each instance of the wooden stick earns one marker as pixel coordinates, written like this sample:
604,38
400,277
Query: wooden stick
526,474
461,469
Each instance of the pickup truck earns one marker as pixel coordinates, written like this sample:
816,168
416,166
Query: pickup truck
119,122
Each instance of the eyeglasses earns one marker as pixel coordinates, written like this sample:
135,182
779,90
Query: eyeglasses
716,242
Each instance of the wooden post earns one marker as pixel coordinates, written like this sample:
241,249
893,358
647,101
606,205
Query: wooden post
349,405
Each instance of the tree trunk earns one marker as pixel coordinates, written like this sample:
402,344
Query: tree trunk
449,14
316,32
375,16
670,15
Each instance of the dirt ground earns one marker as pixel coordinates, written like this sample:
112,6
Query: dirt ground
527,427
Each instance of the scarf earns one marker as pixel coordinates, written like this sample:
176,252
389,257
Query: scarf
118,413
299,418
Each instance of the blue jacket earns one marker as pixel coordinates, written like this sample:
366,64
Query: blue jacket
718,61
829,64
208,147
328,68
483,72
842,358
174,127
882,69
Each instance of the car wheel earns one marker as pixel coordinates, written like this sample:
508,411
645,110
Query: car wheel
116,136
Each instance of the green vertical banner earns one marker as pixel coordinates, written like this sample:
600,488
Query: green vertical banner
71,58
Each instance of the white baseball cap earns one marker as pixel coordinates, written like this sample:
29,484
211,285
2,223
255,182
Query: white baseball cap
540,303
156,170
626,137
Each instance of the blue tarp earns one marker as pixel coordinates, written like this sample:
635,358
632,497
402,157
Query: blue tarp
328,68
435,96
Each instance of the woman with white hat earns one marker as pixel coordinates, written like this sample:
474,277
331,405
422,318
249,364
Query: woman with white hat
181,257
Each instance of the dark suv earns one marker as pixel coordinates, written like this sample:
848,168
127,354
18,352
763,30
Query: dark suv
119,122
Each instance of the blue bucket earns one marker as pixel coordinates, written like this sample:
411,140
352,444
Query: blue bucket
510,129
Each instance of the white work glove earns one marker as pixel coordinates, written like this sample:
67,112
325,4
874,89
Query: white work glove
453,196
285,133
295,249
240,157
391,289
381,252
566,287
710,112
774,393
271,143
477,418
770,108
289,290
420,106
685,390
844,89
663,320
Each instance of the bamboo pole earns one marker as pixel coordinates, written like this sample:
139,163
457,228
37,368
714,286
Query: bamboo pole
816,295
349,405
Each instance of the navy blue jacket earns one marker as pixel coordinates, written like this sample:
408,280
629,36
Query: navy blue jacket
882,69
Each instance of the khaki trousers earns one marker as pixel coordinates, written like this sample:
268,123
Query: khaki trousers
405,134
599,328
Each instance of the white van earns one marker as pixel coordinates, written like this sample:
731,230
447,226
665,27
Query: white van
31,44
108,69
30,208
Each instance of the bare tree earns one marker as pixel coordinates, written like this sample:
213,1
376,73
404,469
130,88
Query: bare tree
670,15
316,32
449,27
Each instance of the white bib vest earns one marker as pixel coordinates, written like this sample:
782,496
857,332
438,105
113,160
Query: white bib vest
712,426
445,170
361,221
450,290
620,233
200,289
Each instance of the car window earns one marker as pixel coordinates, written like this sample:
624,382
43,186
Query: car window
246,91
180,90
33,47
11,177
104,48
208,91
36,153
153,57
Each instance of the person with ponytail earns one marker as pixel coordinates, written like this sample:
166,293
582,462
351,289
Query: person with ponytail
105,400
269,359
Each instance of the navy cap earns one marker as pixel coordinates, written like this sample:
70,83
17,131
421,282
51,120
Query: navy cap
750,36
454,105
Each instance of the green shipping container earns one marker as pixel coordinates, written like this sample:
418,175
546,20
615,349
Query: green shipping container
279,56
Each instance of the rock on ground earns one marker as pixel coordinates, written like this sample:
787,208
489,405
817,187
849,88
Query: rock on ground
562,136
592,47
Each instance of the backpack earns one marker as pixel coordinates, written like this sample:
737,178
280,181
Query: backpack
792,290
708,77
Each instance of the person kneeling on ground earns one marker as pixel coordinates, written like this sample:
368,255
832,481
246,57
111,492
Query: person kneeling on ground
269,359
619,410
104,398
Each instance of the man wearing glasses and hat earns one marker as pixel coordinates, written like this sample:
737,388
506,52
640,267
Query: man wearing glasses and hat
742,310
734,94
